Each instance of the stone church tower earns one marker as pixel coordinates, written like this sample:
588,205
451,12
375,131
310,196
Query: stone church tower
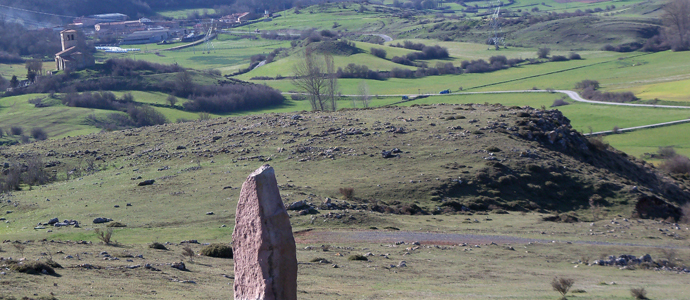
74,55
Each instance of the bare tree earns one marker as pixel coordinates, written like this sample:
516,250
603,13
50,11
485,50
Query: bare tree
364,94
562,285
311,77
677,17
331,83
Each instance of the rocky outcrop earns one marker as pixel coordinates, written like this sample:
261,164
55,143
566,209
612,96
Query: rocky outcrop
264,247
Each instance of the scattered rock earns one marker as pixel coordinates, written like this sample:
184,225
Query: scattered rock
100,220
179,265
299,205
147,182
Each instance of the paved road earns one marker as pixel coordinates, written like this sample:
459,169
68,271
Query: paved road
383,36
434,238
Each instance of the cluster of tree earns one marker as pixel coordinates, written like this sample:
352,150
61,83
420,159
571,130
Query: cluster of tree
230,98
32,172
589,90
131,67
428,52
9,58
495,63
222,97
136,115
409,45
98,100
15,40
380,53
627,47
416,4
359,71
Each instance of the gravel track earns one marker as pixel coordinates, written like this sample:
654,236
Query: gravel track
317,236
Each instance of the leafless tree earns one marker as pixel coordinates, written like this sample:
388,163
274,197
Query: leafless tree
331,83
312,76
364,94
677,18
562,285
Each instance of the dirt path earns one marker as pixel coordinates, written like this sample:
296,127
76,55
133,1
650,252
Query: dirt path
319,237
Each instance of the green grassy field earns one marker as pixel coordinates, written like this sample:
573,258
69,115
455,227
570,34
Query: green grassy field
229,56
640,142
676,91
57,121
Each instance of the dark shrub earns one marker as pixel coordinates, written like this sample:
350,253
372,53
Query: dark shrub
217,250
656,44
401,73
629,47
32,267
596,143
559,58
666,152
8,58
678,164
590,93
412,45
447,68
574,55
481,66
16,130
402,60
608,47
357,257
358,71
498,59
435,52
157,245
593,84
229,98
543,52
320,260
380,53
145,116
39,134
347,192
559,102
127,67
638,293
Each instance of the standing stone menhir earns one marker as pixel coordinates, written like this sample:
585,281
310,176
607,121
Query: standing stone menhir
264,248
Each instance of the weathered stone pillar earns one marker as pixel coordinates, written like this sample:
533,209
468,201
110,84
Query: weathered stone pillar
264,247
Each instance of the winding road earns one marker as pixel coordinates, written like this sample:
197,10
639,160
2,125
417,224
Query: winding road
571,94
576,97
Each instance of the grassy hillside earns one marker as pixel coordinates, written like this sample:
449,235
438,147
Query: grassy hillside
445,161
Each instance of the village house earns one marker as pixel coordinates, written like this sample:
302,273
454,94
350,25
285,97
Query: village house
234,18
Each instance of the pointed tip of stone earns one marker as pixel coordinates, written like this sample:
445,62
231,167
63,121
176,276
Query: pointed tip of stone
261,170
